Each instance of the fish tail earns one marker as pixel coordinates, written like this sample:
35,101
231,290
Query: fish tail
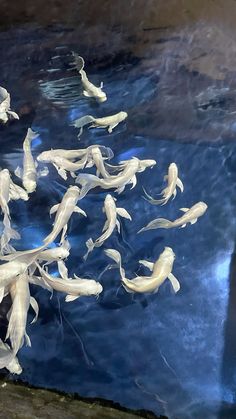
15,332
81,122
8,234
78,61
30,136
153,201
157,223
6,357
116,256
87,182
90,246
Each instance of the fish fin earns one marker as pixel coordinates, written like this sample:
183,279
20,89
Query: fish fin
54,209
43,172
86,94
63,234
118,225
13,114
184,209
62,269
105,225
111,127
133,181
1,294
80,211
174,282
193,221
184,225
73,175
90,246
147,264
179,183
89,164
101,85
18,172
165,177
62,173
127,289
120,189
116,256
123,213
35,307
27,339
70,298
174,194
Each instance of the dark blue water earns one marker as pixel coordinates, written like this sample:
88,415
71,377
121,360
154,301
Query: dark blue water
172,354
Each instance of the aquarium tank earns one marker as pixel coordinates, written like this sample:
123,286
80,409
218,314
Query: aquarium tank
117,196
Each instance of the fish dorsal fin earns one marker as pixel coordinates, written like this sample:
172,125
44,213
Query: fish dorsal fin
174,282
54,209
147,264
179,183
123,213
184,209
70,298
133,181
118,225
27,339
35,307
62,269
193,221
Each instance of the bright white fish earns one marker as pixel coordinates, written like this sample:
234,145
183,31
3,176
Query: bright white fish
173,181
5,107
126,176
74,288
21,301
161,270
57,254
63,211
29,174
8,359
111,223
8,232
90,90
63,160
109,122
191,216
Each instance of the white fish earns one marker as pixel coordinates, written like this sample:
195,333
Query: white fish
90,90
63,160
8,359
109,122
63,211
191,216
173,181
17,192
21,301
161,270
126,176
8,232
29,174
57,254
5,107
74,288
111,223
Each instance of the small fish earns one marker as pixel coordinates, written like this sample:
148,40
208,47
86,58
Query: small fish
191,216
63,211
161,270
74,288
111,223
109,122
5,107
90,90
21,301
126,176
173,181
29,173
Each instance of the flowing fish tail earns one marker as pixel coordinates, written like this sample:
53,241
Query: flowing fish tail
81,122
90,246
78,61
8,234
116,256
153,201
87,182
157,223
8,359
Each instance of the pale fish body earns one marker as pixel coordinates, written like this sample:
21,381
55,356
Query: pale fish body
75,288
29,173
63,211
21,300
90,90
8,359
171,190
111,212
97,159
109,122
126,176
5,107
9,271
161,270
191,216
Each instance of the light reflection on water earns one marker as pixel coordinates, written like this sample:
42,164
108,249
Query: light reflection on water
138,350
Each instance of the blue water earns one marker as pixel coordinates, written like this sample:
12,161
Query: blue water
172,354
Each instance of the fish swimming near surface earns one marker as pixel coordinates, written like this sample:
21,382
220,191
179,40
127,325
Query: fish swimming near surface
90,90
5,107
29,173
63,211
109,122
171,189
191,216
161,270
74,288
111,211
126,176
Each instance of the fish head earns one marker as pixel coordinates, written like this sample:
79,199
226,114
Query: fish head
143,164
202,207
168,253
45,156
74,191
123,115
109,199
30,185
101,96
